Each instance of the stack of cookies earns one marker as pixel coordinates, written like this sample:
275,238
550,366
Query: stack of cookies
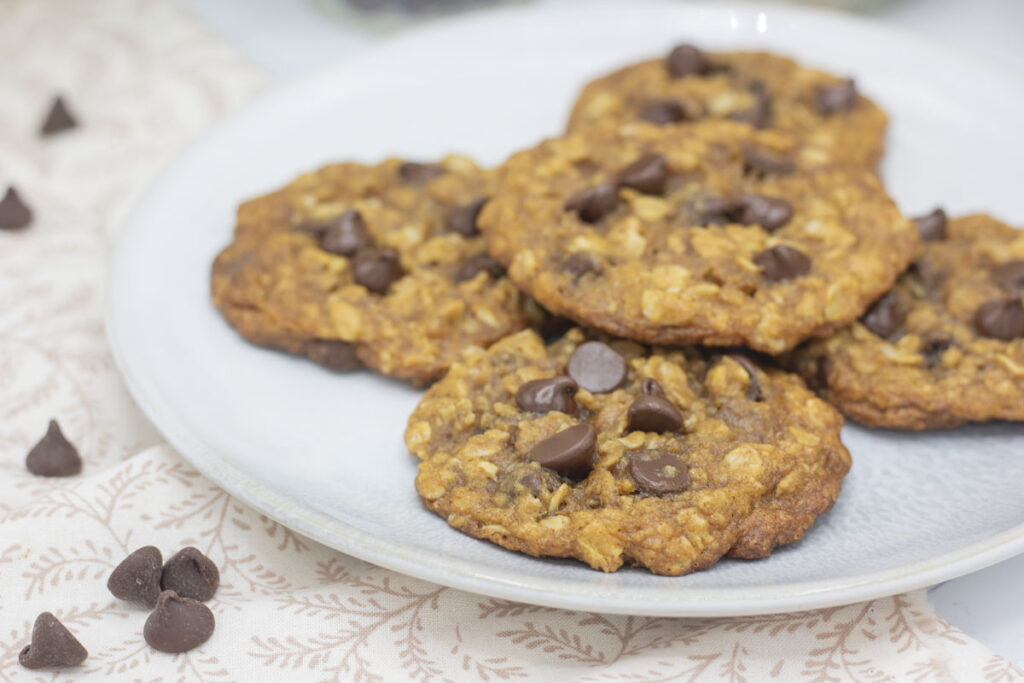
617,325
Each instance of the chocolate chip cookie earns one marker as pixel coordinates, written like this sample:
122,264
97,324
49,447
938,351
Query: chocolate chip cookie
381,265
945,345
826,113
614,454
709,234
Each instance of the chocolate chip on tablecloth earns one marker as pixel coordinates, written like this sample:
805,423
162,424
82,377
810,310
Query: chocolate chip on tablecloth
137,577
58,118
14,213
191,574
53,646
54,455
178,624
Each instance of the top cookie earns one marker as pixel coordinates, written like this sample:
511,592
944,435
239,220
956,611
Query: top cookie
612,453
832,122
708,234
379,264
945,346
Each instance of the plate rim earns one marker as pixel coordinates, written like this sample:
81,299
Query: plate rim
346,538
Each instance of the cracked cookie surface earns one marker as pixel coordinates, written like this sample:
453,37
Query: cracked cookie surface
945,346
711,234
378,265
825,113
674,459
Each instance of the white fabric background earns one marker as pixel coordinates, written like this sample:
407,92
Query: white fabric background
144,78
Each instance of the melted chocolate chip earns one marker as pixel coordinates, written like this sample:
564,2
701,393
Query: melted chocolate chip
1009,275
137,578
932,226
333,354
53,456
580,263
753,392
345,235
758,114
661,112
597,367
58,118
481,263
376,268
463,220
414,173
782,263
653,413
647,174
658,473
771,213
570,452
833,99
757,161
191,574
543,395
686,60
885,316
178,624
53,646
1000,319
594,203
14,213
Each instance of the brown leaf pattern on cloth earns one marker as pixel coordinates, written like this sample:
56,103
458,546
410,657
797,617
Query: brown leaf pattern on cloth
145,77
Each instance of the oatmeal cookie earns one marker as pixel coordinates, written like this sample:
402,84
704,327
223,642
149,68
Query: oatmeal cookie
711,234
831,120
945,346
381,265
614,454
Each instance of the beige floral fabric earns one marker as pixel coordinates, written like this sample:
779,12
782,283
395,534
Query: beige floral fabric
144,78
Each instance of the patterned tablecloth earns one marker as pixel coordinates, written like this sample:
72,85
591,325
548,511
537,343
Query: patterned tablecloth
144,79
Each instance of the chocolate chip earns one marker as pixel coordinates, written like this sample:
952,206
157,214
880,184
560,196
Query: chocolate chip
760,162
534,483
715,210
137,578
782,263
481,263
661,112
570,452
758,114
597,367
14,213
658,473
53,646
1010,275
415,173
580,263
53,456
650,387
58,119
178,624
653,413
376,268
686,60
932,226
190,574
463,220
346,235
771,213
839,97
1001,319
333,354
885,316
753,392
594,203
647,174
543,395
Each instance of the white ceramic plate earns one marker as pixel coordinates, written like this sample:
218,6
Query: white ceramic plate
323,453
